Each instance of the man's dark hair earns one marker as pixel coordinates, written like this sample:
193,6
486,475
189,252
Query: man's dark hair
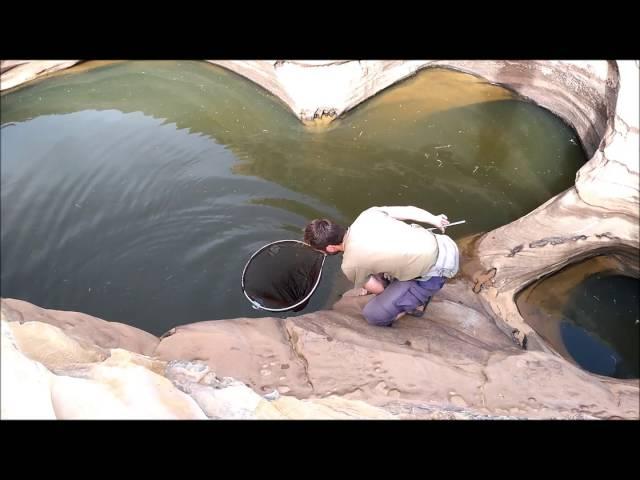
322,232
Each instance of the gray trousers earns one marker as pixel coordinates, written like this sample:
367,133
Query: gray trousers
399,297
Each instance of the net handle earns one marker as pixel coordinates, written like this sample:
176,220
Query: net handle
450,225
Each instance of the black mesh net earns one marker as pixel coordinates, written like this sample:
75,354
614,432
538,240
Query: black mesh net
283,274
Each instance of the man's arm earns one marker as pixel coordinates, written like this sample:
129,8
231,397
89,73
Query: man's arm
418,215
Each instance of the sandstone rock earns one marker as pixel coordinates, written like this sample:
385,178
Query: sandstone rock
219,398
49,345
329,408
25,384
17,72
239,349
133,392
82,327
537,380
225,398
599,215
423,364
82,387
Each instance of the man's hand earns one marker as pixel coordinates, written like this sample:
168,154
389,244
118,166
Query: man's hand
375,284
355,292
441,221
418,214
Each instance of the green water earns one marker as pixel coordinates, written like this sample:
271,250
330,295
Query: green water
136,191
590,314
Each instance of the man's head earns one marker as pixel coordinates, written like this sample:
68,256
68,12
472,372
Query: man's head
323,234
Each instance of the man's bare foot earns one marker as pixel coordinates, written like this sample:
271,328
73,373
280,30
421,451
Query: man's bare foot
418,312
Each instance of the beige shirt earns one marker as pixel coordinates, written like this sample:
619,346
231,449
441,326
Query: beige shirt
376,242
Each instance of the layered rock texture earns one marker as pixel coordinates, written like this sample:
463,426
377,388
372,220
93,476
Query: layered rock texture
472,356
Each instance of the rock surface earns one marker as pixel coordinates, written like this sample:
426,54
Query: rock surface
454,357
14,73
82,327
47,374
456,362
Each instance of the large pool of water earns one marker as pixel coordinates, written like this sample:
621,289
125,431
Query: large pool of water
136,191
